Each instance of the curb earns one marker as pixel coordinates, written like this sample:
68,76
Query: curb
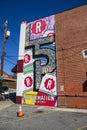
63,109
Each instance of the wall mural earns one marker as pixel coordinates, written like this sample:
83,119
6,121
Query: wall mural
39,64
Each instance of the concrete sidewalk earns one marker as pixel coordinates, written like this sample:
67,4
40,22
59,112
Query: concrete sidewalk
8,103
63,109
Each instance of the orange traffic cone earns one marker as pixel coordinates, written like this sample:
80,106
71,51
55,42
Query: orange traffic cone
20,112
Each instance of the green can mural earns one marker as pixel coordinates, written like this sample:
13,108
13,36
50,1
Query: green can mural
39,63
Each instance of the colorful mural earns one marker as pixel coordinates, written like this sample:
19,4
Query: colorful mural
39,64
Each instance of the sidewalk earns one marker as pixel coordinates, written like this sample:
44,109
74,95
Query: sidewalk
8,103
64,109
5,104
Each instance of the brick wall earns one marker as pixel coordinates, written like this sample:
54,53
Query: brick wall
71,39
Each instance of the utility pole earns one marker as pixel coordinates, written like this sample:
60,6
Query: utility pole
5,37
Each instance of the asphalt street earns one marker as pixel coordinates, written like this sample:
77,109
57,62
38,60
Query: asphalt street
41,118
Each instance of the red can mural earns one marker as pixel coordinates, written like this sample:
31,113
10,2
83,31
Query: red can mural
39,63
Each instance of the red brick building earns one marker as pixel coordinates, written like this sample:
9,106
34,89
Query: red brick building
71,40
61,79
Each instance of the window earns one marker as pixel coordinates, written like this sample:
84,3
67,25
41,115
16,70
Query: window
84,52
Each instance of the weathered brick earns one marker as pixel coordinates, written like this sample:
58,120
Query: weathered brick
71,39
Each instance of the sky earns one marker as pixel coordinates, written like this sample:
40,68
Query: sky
15,11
